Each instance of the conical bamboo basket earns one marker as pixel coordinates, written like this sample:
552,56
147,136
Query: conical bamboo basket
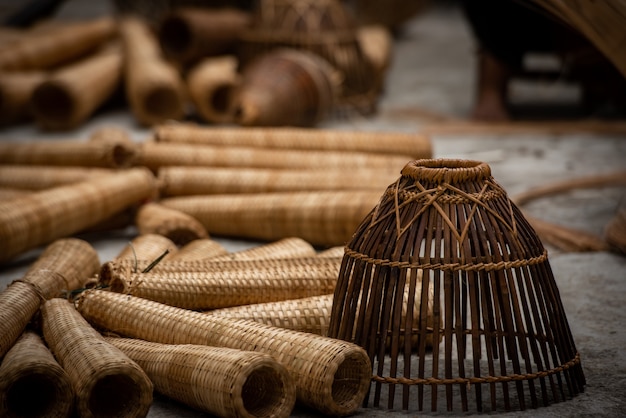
105,380
154,87
221,381
504,333
61,102
153,218
32,383
320,218
211,84
16,89
331,376
41,217
64,265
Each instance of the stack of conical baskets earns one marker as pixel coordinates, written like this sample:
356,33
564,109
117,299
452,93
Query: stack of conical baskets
447,234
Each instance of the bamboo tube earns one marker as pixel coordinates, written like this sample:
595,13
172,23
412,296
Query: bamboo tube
48,48
61,102
146,247
188,34
615,231
153,218
221,381
198,249
32,383
254,281
67,153
290,247
211,84
64,265
185,180
411,144
320,218
41,217
106,382
156,155
40,177
331,376
153,86
16,90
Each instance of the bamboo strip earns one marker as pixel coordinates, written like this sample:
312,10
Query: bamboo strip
105,380
320,218
221,381
290,247
41,217
60,102
155,155
415,145
64,265
68,152
153,218
154,88
252,281
146,247
211,84
188,34
615,231
32,383
16,90
331,376
185,180
48,48
567,239
40,177
198,249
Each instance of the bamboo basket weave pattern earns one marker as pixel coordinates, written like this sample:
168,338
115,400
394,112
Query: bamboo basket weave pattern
502,322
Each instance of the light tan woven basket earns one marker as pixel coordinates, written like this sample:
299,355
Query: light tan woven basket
48,48
221,381
320,218
290,247
61,102
154,87
184,181
146,247
413,145
105,380
250,281
211,84
111,133
331,376
39,177
16,89
156,155
41,217
64,265
199,249
67,153
181,228
7,193
32,383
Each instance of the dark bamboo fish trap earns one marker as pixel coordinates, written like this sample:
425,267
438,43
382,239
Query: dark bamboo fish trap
505,339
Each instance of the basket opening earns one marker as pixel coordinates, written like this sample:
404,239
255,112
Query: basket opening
175,37
162,103
115,395
447,170
350,383
34,395
52,103
263,392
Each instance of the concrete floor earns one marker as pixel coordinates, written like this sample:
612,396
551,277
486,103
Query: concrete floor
432,78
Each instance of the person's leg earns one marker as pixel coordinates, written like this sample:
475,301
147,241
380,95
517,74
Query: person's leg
492,79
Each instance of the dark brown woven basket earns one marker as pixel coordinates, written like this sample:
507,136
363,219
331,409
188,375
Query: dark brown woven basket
505,339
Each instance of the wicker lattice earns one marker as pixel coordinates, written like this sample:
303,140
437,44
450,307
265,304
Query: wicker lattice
505,340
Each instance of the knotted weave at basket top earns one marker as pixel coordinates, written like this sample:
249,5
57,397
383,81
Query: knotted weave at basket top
493,293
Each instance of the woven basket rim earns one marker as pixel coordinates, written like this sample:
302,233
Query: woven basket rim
447,170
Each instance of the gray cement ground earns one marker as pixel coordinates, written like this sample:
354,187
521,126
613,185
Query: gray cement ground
432,74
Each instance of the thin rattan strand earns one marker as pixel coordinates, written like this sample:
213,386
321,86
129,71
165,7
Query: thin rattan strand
153,218
331,376
199,249
221,381
184,181
39,177
105,380
64,265
32,383
414,145
319,217
41,217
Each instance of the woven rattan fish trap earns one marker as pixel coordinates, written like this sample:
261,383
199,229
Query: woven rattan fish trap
503,340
